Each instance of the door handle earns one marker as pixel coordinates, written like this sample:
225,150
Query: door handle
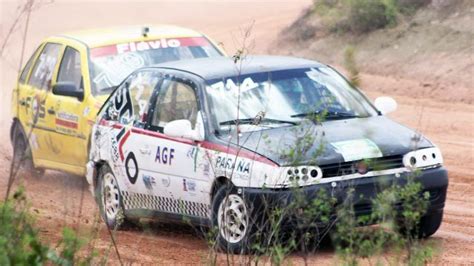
145,151
51,111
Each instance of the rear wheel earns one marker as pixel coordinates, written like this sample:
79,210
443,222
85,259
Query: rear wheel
23,157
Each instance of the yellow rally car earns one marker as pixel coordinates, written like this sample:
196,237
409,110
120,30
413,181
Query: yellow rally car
66,80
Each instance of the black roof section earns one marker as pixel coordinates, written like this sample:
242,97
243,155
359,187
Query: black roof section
219,67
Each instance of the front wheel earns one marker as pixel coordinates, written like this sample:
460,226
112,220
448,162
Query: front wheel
230,216
427,226
108,198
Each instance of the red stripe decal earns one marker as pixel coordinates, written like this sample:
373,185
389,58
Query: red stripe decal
205,144
162,136
209,145
65,123
147,45
121,143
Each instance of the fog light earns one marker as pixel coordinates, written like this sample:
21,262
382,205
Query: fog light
362,168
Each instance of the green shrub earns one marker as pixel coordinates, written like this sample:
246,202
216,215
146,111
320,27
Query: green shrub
20,243
369,15
410,6
361,16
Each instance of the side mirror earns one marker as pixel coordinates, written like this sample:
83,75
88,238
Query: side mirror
68,89
385,104
182,129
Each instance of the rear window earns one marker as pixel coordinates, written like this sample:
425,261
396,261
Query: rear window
113,63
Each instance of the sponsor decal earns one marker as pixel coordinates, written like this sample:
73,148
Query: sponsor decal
246,85
67,120
131,167
358,149
206,169
115,151
189,185
38,109
123,105
149,181
164,155
165,181
193,153
148,45
225,164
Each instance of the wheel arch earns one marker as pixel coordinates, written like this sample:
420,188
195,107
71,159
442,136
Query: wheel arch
16,127
219,182
97,166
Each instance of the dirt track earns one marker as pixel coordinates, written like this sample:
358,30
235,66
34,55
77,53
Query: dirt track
57,197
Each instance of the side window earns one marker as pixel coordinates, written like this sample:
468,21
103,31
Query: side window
177,100
130,101
70,69
27,68
44,66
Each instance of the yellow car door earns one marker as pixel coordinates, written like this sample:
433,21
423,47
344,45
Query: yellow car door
35,98
68,107
22,91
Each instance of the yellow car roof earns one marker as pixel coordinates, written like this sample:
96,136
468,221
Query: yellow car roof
107,36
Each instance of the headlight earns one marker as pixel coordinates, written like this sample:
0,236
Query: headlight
423,158
302,174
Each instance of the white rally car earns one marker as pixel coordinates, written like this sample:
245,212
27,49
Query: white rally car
208,140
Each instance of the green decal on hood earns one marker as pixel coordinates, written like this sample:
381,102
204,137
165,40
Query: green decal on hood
357,149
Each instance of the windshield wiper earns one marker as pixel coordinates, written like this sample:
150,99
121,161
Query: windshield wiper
256,121
327,115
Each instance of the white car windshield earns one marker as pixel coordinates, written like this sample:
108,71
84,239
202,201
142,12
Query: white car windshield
113,63
285,97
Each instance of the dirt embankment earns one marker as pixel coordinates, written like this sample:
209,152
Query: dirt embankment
432,49
427,67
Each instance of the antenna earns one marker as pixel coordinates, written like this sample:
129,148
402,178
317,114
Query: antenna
145,31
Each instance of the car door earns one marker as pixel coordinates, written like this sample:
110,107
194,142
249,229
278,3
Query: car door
22,91
171,168
121,120
66,114
35,96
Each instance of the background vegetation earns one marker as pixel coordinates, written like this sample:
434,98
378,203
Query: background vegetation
361,16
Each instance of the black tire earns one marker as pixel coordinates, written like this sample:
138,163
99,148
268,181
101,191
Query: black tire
23,157
102,193
430,223
427,226
224,195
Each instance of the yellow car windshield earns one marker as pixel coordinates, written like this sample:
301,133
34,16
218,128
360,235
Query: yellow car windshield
113,63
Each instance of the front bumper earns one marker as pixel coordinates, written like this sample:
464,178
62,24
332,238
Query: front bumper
365,189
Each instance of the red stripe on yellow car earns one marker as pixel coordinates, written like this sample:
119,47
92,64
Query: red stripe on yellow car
65,123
